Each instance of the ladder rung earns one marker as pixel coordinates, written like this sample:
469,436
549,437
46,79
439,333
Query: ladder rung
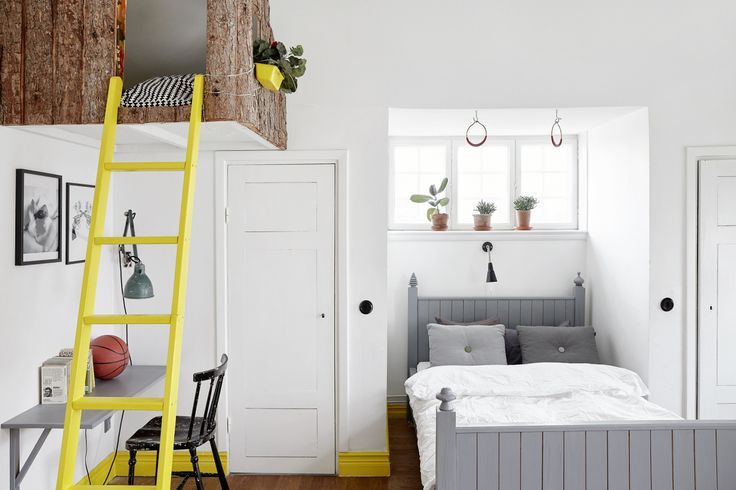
127,319
136,240
118,403
144,166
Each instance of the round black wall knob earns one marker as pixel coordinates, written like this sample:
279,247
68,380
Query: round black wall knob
365,307
667,304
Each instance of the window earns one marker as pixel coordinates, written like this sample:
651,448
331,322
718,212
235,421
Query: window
499,171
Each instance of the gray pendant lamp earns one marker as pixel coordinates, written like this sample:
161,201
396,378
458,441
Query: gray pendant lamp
139,285
491,274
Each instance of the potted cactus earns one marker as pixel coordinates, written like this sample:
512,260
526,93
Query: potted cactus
482,220
523,206
436,203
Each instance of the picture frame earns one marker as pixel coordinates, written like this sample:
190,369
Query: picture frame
38,219
79,198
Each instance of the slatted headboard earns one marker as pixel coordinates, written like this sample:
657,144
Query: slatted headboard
510,311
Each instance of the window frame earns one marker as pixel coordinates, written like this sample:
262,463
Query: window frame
451,171
511,144
574,212
395,142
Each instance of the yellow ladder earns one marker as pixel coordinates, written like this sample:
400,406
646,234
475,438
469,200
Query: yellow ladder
87,317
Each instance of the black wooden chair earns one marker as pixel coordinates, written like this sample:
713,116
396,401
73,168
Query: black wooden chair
190,433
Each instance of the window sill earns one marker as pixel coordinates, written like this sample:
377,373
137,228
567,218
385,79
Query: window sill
498,235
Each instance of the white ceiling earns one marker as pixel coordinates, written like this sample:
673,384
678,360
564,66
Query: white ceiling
215,135
503,122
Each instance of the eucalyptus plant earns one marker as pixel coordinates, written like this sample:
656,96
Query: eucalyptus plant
525,203
434,199
484,207
290,62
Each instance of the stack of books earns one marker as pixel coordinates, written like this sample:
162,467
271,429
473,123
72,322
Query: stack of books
55,376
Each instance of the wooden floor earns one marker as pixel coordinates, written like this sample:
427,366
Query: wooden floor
404,471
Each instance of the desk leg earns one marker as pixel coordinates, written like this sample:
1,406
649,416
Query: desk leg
14,458
16,472
31,457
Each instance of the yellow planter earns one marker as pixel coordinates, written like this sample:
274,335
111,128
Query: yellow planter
269,76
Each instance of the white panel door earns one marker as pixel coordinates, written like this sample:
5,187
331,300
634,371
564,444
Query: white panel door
280,239
717,290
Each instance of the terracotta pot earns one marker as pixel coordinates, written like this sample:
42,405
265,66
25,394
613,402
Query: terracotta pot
522,220
439,221
482,222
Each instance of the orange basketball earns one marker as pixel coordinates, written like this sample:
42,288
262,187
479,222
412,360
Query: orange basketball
110,356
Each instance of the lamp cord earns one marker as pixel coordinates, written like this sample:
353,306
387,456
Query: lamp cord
122,296
122,414
86,466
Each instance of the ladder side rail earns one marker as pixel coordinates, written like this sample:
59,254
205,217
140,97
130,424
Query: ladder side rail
72,418
179,291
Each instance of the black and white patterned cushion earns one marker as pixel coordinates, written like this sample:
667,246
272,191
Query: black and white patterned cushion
168,91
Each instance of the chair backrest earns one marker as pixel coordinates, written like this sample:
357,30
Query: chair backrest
215,377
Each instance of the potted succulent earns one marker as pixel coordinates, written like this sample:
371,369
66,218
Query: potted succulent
276,67
436,203
482,220
523,206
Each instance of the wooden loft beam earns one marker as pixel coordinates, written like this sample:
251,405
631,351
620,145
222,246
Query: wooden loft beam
57,72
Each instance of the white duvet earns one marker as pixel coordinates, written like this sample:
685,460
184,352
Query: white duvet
542,393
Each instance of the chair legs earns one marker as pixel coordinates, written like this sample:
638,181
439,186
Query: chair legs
155,468
195,466
131,468
218,464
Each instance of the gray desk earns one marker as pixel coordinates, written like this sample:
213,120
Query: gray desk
134,380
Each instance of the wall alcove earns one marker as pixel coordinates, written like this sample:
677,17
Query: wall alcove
56,57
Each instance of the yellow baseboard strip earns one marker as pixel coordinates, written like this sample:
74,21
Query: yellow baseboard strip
397,410
375,463
98,473
146,463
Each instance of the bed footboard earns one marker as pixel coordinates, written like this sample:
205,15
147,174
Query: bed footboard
630,455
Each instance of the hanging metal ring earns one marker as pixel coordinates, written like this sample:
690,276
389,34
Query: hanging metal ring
556,144
485,132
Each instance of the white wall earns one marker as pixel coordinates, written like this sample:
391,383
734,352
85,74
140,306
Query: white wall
457,267
40,303
155,198
364,420
618,240
669,56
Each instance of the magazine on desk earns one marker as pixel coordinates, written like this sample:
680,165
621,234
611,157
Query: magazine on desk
55,376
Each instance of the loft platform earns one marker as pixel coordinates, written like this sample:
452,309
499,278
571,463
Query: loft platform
147,137
57,71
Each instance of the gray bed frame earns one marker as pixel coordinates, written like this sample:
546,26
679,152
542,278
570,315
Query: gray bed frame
627,455
531,311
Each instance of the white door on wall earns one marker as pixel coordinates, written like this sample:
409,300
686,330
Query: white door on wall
717,290
281,289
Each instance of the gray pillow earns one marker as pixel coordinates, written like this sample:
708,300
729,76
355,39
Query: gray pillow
558,344
513,348
466,345
487,321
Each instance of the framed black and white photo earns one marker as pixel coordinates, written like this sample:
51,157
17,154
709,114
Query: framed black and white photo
78,220
37,217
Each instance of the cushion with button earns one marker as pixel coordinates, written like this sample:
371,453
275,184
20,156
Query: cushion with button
466,345
558,344
513,348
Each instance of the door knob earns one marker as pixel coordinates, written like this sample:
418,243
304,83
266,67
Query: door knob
667,304
365,307
322,315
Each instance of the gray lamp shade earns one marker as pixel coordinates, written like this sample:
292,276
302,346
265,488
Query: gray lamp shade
491,275
139,286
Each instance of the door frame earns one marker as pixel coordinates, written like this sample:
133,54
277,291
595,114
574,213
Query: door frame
695,155
339,158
